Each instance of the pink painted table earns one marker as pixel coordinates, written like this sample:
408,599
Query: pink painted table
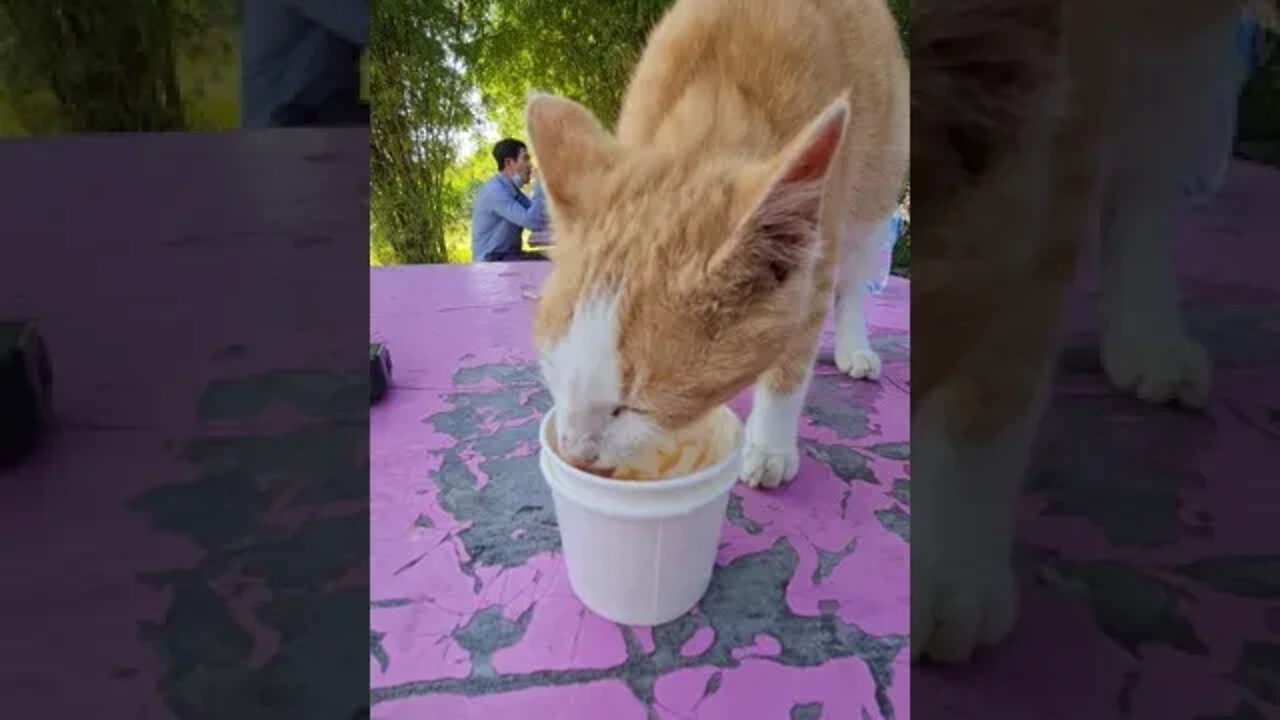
1148,554
472,616
190,539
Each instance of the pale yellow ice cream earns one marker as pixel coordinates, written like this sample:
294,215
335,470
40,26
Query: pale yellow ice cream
698,446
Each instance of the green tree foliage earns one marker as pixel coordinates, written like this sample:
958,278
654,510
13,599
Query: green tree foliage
104,66
583,49
459,62
418,102
1259,136
475,61
902,13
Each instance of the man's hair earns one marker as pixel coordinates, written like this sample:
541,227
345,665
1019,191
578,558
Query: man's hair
507,149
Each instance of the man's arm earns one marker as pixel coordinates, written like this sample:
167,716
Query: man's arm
511,210
538,209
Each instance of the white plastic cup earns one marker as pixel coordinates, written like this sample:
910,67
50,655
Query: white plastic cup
640,552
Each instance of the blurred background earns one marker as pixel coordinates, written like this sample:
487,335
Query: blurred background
448,78
125,65
84,66
445,79
1259,121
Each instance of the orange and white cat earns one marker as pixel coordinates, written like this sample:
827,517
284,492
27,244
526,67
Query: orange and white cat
1041,126
697,248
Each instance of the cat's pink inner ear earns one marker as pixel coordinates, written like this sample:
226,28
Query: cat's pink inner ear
778,235
817,146
785,215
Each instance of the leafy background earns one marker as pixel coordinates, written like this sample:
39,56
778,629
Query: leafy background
445,78
1259,134
119,66
448,78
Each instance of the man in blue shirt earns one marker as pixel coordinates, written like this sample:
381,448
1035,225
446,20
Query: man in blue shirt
502,212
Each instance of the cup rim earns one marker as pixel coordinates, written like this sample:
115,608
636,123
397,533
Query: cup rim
643,486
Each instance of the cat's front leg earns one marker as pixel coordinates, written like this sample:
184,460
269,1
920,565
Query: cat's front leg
854,354
771,452
1146,350
963,495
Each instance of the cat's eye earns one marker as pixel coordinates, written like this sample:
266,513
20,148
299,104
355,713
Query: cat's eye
619,410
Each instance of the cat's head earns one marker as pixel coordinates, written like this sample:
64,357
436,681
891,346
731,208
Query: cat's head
676,280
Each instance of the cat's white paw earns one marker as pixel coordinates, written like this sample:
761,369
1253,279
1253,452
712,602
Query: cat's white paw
1157,368
958,607
768,466
860,363
963,496
771,453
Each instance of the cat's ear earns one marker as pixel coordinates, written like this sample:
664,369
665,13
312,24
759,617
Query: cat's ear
807,158
779,235
570,146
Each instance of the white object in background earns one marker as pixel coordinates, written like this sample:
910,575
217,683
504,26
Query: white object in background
1218,150
642,552
885,239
